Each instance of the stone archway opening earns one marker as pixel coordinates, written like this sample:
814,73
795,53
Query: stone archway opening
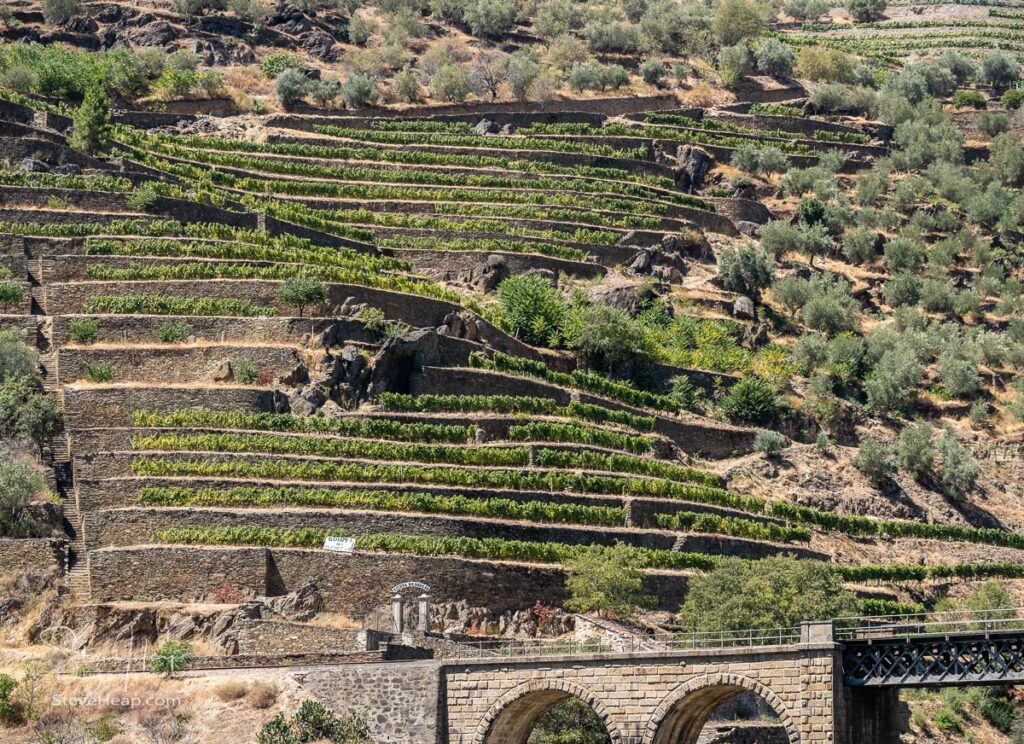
548,716
723,712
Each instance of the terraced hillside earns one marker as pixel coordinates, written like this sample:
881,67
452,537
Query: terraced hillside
266,335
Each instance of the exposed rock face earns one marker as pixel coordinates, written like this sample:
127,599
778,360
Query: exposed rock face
693,166
487,276
320,45
538,621
631,298
155,34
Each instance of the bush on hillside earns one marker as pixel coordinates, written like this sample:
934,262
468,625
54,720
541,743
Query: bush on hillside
750,401
875,460
746,269
733,65
774,57
969,99
290,87
866,10
1000,70
531,309
606,581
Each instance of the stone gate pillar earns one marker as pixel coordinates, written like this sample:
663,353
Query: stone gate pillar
397,612
423,613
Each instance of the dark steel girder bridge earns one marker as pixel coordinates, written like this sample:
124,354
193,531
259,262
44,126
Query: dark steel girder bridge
936,650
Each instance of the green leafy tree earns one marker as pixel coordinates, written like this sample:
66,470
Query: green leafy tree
866,10
19,485
572,721
290,87
737,20
769,593
959,472
405,86
733,64
301,292
91,124
875,459
774,57
59,12
360,91
750,401
746,269
531,309
492,18
916,449
1000,70
603,336
450,83
606,581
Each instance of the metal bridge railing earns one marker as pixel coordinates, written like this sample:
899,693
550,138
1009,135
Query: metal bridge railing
928,623
629,644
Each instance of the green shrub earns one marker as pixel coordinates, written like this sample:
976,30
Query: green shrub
734,65
59,12
916,449
492,18
970,99
992,124
746,270
10,710
246,372
450,82
173,332
171,657
84,330
91,128
750,401
1011,99
531,309
653,72
770,443
406,86
278,62
875,460
290,87
99,371
959,472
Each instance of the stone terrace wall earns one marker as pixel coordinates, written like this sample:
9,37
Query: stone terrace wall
449,264
689,432
354,584
277,637
401,703
174,364
136,526
604,106
176,574
142,329
112,405
32,554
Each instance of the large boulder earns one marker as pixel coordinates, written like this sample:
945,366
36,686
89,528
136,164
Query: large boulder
693,166
155,34
320,45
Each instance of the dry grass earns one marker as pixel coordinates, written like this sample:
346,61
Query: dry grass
233,689
262,696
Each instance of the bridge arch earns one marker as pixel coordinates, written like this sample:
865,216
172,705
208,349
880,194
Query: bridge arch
512,717
679,718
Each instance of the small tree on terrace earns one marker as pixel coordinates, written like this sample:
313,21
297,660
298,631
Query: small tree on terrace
606,581
301,291
91,131
747,270
19,484
769,593
1000,70
865,10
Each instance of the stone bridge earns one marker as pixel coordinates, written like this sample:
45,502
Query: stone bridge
643,697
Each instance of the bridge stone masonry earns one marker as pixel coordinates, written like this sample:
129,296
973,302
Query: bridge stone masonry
643,697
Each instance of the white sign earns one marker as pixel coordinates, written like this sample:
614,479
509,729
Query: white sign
340,544
410,585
